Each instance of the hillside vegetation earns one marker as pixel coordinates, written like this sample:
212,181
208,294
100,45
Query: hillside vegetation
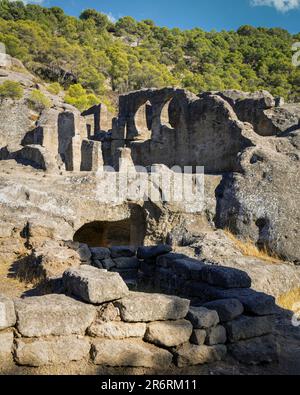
101,57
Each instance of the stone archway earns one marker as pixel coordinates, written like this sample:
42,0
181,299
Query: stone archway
104,234
125,232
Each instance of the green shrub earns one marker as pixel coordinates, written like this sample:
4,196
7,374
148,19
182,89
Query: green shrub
78,97
11,90
38,101
54,88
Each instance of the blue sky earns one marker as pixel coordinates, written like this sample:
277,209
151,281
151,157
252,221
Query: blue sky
186,14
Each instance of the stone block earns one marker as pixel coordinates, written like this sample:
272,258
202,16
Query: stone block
122,252
225,277
216,335
51,351
244,327
169,333
117,330
202,318
198,337
227,309
142,307
55,315
153,252
130,353
100,253
7,312
256,351
127,263
93,285
6,344
191,355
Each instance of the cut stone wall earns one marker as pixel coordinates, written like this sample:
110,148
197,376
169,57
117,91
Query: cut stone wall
97,318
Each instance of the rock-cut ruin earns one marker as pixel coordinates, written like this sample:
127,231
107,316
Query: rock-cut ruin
98,263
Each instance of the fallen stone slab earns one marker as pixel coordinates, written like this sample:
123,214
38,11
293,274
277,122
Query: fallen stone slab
117,330
227,309
225,277
244,327
142,307
216,336
93,285
122,252
51,351
191,355
169,333
130,353
198,337
127,263
6,344
7,312
100,253
153,252
55,315
255,351
202,318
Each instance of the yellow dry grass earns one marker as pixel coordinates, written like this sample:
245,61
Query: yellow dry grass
247,248
9,285
290,300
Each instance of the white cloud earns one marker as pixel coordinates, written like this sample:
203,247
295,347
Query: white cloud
280,5
111,17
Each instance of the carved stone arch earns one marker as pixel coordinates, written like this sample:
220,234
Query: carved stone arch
143,121
170,114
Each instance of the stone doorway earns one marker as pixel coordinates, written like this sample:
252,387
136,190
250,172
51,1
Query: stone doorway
126,232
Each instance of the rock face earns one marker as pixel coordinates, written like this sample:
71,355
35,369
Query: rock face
141,307
7,312
169,333
51,351
93,285
130,353
52,259
256,203
55,315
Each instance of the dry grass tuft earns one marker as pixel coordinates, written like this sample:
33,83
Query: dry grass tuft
290,300
247,248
